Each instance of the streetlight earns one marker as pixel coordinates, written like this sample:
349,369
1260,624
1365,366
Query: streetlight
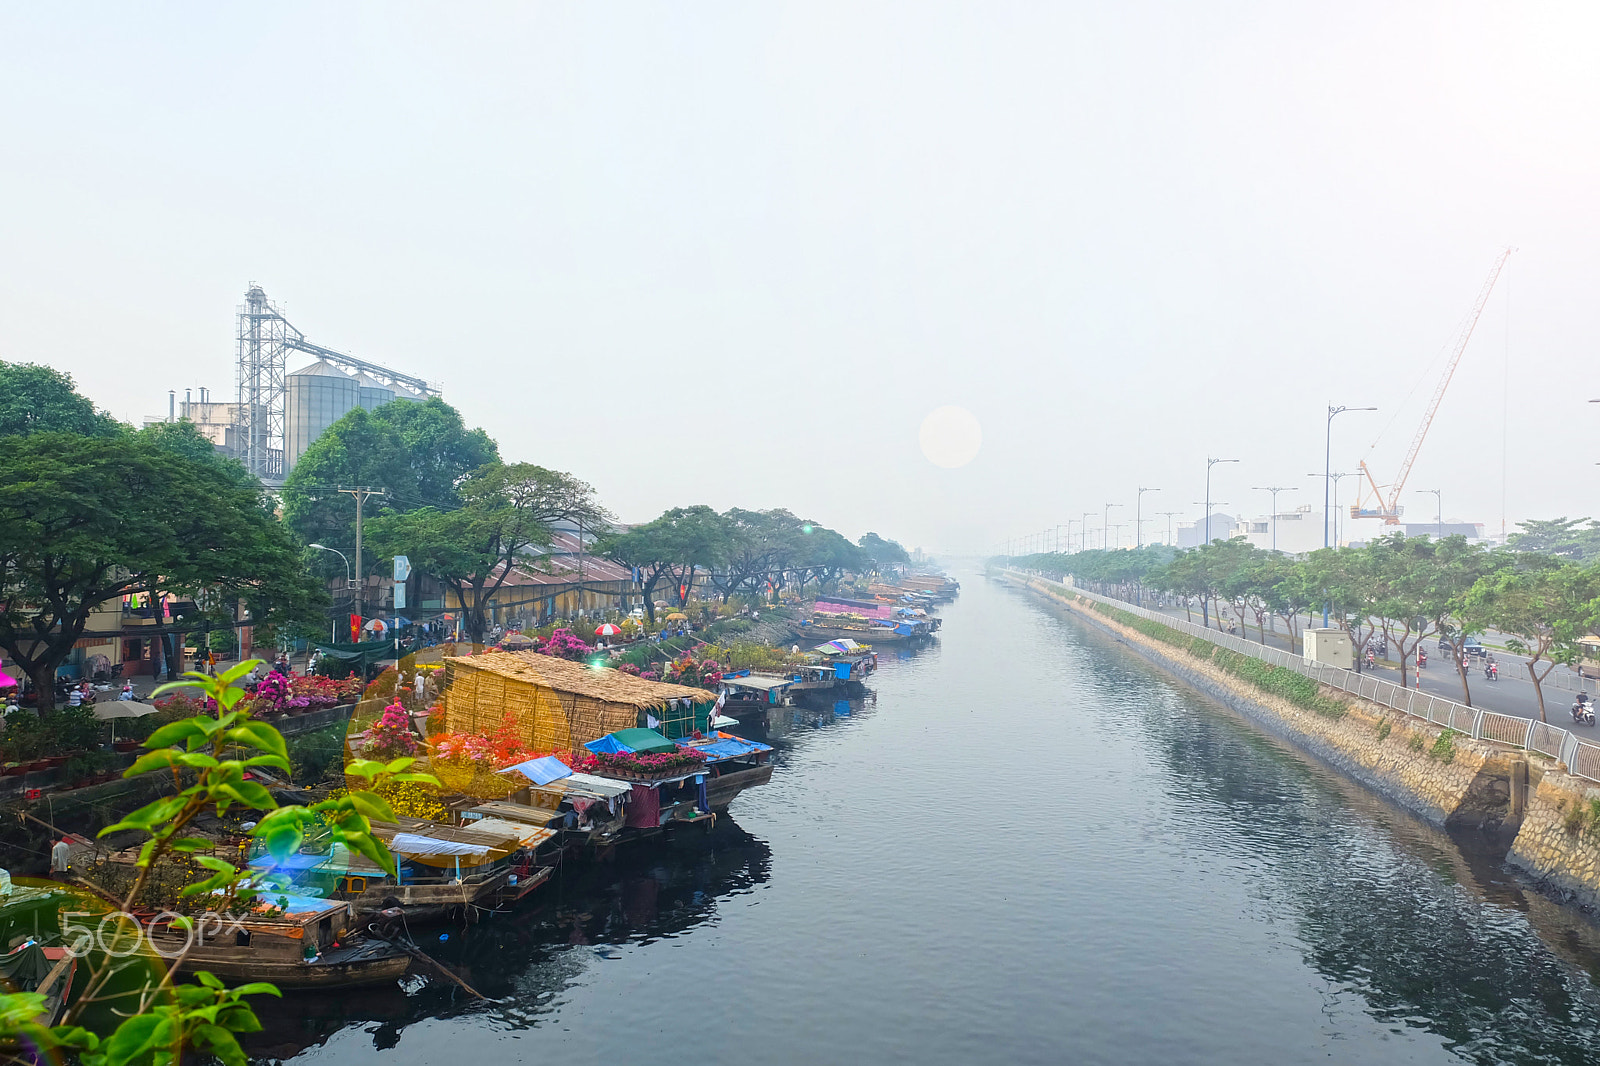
1169,515
1210,462
1083,531
349,581
1274,489
1105,525
1138,523
1337,477
1070,523
1439,515
1327,469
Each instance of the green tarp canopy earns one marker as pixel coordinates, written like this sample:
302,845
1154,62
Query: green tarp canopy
644,741
360,655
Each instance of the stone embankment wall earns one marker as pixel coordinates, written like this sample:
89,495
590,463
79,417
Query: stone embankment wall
1548,819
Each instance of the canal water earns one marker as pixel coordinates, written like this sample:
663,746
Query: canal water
1029,847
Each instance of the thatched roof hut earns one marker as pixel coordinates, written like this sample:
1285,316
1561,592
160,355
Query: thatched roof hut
558,704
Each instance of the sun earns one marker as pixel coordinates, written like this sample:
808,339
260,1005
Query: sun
950,437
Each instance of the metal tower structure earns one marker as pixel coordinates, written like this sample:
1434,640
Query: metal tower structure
266,338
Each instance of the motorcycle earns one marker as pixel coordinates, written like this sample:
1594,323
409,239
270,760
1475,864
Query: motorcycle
1491,671
1582,714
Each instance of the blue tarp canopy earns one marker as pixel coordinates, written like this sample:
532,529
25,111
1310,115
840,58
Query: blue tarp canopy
543,770
726,747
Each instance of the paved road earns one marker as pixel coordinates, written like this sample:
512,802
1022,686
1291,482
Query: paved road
1512,694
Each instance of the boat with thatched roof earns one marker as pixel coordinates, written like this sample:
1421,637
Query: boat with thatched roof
560,705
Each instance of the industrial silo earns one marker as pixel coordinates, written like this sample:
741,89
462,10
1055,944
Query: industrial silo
403,393
373,394
318,396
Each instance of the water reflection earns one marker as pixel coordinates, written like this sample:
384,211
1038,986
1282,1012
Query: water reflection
1412,927
525,961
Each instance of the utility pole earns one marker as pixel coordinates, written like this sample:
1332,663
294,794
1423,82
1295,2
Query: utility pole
1138,522
1169,515
1274,489
1083,531
361,494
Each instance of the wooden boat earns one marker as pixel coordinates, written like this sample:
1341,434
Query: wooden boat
311,944
723,788
32,967
817,633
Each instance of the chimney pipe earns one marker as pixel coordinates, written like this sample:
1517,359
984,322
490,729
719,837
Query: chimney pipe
186,394
172,405
202,395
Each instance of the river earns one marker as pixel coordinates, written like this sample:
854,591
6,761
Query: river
1030,847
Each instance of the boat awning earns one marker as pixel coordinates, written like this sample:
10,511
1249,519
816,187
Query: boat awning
627,741
543,770
530,835
764,684
424,847
516,813
725,747
599,787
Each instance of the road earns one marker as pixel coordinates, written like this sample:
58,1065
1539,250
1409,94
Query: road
1512,694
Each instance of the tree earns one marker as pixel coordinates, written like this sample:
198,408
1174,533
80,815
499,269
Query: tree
505,511
1563,537
825,554
85,521
40,399
1544,605
672,546
1456,568
1346,581
419,453
759,545
882,553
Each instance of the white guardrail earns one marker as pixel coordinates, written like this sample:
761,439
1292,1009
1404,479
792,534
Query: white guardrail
1581,756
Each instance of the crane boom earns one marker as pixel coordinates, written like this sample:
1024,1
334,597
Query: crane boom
1390,511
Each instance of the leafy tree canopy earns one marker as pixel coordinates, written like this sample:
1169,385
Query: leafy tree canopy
41,399
420,453
86,520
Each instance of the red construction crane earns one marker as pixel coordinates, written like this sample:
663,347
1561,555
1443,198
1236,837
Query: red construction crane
1372,503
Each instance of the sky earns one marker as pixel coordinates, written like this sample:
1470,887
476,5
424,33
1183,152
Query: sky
738,253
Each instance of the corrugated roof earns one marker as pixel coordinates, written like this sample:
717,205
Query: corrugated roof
596,682
321,369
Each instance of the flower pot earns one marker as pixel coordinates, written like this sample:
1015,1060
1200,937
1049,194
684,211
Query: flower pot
126,746
52,762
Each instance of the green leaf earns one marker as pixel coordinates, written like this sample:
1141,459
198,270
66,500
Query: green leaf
211,862
394,766
258,988
221,1043
261,736
249,793
366,768
373,849
284,841
188,845
210,980
135,1037
372,805
175,733
160,759
421,779
237,671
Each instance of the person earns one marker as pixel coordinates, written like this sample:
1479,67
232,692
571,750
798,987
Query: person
60,857
75,697
127,693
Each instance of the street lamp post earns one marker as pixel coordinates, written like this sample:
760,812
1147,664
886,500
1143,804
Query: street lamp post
1210,462
1438,514
1327,469
349,582
1274,489
1105,526
1169,515
1083,531
1138,523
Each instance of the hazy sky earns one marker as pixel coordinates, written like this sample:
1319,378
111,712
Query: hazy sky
734,254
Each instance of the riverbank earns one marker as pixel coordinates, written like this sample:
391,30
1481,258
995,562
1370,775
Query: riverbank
1543,820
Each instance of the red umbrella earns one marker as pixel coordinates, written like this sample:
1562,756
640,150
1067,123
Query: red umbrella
607,630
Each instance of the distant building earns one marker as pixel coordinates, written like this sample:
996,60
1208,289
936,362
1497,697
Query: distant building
1223,527
1473,531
